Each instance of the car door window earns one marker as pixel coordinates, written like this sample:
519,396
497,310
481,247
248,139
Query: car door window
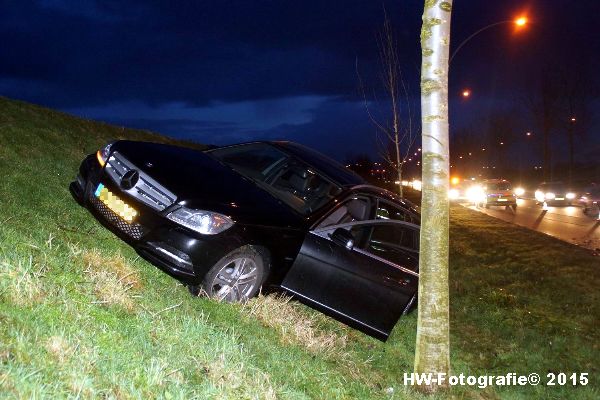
354,209
389,211
396,243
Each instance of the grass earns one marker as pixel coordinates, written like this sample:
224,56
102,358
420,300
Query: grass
81,316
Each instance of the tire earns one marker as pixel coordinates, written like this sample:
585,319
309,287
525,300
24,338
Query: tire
514,207
487,205
236,277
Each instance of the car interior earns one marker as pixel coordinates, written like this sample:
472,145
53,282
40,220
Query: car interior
353,210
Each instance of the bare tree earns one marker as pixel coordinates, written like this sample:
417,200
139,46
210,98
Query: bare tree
545,107
576,93
395,136
561,105
432,354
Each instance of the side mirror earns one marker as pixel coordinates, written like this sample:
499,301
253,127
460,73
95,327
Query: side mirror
343,237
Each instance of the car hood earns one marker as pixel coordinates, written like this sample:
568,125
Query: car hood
199,181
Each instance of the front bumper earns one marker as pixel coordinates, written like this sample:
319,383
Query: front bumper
178,251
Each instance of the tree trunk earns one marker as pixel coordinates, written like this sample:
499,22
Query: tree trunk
400,187
433,342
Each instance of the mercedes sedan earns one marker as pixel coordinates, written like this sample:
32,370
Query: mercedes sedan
276,215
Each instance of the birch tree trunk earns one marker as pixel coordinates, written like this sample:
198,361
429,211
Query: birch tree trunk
433,342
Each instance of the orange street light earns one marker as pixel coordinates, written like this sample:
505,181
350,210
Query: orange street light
521,21
466,93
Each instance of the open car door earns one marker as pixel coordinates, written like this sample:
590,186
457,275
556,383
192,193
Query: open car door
360,273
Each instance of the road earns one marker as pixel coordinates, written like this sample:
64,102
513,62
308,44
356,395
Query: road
566,223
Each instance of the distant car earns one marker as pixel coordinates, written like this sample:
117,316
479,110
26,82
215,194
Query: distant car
457,192
279,215
590,201
554,193
498,192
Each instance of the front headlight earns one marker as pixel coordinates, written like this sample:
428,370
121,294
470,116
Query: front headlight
205,222
103,153
570,196
550,196
539,195
519,191
453,194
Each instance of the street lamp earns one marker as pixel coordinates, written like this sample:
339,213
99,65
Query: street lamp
466,93
519,23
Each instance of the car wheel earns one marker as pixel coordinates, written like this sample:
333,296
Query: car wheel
514,207
237,277
487,205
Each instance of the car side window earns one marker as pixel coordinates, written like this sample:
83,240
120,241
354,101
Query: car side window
386,210
353,209
396,243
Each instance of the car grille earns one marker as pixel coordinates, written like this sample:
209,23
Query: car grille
146,190
136,231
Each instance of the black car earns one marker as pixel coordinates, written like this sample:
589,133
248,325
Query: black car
590,201
554,193
278,215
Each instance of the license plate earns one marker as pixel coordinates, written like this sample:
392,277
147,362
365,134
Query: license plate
502,199
115,204
560,198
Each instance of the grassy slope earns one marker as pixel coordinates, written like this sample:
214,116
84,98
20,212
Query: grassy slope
82,316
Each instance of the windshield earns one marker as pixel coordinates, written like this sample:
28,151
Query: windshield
283,176
555,187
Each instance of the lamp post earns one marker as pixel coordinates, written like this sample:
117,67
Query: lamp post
571,128
519,22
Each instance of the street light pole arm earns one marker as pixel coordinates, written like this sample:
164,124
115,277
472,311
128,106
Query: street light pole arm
475,34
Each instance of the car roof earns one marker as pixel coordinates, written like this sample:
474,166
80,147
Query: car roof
496,181
552,184
387,195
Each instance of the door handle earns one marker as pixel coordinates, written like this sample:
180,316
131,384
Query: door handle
403,281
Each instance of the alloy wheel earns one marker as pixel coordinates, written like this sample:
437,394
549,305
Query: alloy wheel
235,281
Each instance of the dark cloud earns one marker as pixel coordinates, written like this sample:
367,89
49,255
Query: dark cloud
110,59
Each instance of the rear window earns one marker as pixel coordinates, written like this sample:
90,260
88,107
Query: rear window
498,186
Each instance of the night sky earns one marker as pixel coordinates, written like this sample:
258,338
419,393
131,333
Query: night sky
228,71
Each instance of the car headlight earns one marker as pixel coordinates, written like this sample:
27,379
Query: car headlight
453,194
103,153
519,191
475,194
570,196
539,195
205,222
550,196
